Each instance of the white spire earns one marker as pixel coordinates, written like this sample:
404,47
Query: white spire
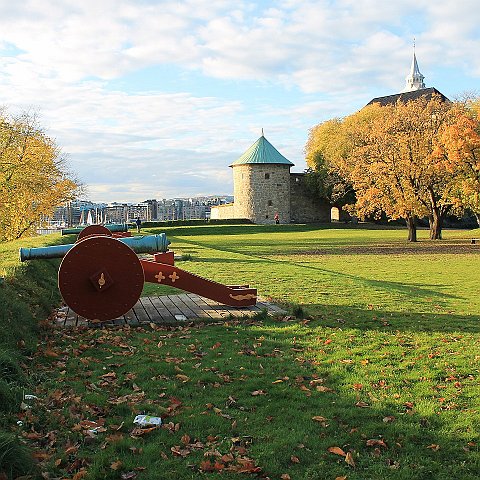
414,81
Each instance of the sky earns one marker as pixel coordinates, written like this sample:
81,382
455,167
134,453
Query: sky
155,99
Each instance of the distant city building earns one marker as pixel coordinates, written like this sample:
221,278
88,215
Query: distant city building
84,212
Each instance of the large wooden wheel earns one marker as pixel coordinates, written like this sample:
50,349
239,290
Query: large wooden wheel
100,278
94,230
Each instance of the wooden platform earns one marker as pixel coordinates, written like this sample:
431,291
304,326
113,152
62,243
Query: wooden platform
171,309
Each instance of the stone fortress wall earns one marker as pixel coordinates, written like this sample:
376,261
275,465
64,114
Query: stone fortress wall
253,204
264,188
305,207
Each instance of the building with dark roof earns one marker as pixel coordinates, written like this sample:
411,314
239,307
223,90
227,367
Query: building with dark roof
414,89
405,97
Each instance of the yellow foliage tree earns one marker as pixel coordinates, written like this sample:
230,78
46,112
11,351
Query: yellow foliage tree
390,155
33,177
460,151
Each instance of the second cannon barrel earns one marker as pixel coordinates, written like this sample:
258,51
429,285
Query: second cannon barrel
143,244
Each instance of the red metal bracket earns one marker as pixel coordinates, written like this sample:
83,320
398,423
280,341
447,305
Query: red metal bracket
168,274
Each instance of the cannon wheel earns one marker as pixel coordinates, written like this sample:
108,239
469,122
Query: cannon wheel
100,278
94,230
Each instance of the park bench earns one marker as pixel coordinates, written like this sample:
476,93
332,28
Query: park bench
475,240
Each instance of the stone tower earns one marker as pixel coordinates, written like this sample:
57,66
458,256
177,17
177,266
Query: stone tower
261,184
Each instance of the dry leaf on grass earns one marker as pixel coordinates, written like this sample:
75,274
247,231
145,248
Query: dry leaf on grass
116,465
349,459
337,451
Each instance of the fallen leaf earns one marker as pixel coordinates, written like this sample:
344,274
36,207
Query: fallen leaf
50,353
116,465
115,437
285,476
228,457
434,447
321,388
349,459
341,478
319,418
79,475
181,452
71,449
294,459
374,442
41,456
259,392
207,466
139,432
362,404
128,475
337,451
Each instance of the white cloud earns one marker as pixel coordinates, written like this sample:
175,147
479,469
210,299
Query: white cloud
241,65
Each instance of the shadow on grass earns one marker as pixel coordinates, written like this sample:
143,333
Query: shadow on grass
350,317
393,424
252,229
421,291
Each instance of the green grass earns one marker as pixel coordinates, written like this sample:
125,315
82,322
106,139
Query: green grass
387,352
28,292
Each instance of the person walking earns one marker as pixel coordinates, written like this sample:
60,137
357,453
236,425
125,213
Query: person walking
276,218
138,223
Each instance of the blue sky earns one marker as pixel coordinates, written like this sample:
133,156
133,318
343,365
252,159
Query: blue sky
154,99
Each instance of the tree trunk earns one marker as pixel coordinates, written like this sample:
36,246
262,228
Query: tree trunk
436,224
436,218
477,216
412,228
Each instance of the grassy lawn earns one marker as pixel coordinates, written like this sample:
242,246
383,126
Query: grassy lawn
376,377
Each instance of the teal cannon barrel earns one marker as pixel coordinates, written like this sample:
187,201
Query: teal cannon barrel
144,244
113,227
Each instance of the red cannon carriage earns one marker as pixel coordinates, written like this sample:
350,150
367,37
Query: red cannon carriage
101,277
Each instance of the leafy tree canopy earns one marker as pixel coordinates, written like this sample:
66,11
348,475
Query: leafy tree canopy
33,176
407,160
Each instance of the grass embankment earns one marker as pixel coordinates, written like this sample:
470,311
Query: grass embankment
28,293
380,380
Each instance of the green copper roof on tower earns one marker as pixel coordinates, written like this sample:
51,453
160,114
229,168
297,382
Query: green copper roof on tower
262,151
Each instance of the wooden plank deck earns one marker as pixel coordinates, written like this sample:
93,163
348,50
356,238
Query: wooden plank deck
169,309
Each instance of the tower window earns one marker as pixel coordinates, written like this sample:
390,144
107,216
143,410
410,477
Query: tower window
266,216
270,203
267,176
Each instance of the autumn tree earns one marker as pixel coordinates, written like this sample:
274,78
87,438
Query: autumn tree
390,156
459,150
323,177
33,176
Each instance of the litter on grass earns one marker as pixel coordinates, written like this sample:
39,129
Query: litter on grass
147,420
